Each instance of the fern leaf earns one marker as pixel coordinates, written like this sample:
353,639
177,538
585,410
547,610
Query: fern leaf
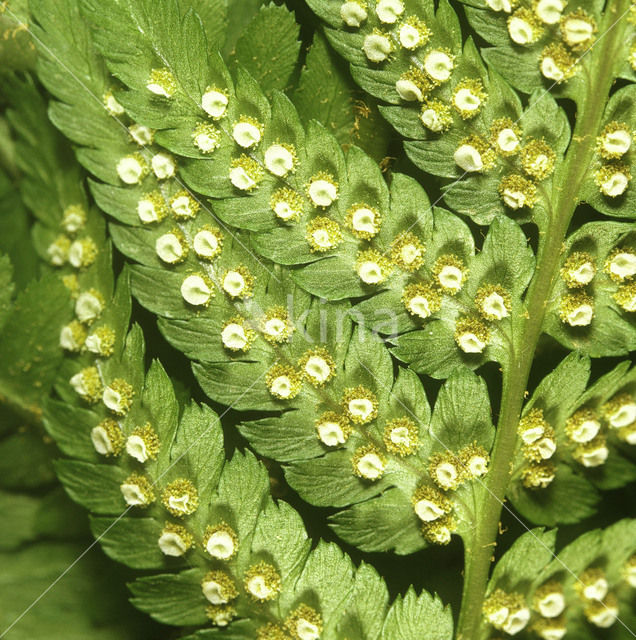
131,448
584,587
504,262
618,116
316,156
326,93
590,431
535,54
240,363
603,250
355,272
481,308
190,459
272,29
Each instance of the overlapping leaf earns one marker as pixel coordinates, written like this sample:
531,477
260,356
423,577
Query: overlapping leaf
346,271
326,93
519,53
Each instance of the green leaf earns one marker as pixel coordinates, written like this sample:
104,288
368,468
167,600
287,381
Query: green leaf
505,259
527,556
531,564
381,524
343,282
433,351
25,460
619,109
29,345
174,599
243,488
215,18
520,65
197,449
405,615
454,424
367,610
29,572
556,395
131,541
268,48
284,438
329,481
328,574
568,499
63,422
281,537
95,487
51,180
324,93
572,494
239,15
610,332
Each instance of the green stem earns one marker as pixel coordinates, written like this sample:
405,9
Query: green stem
602,61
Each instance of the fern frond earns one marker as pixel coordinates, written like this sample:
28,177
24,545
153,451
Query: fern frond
471,146
276,197
153,474
605,185
209,523
577,438
326,93
556,63
585,588
357,265
187,126
532,60
260,343
591,303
